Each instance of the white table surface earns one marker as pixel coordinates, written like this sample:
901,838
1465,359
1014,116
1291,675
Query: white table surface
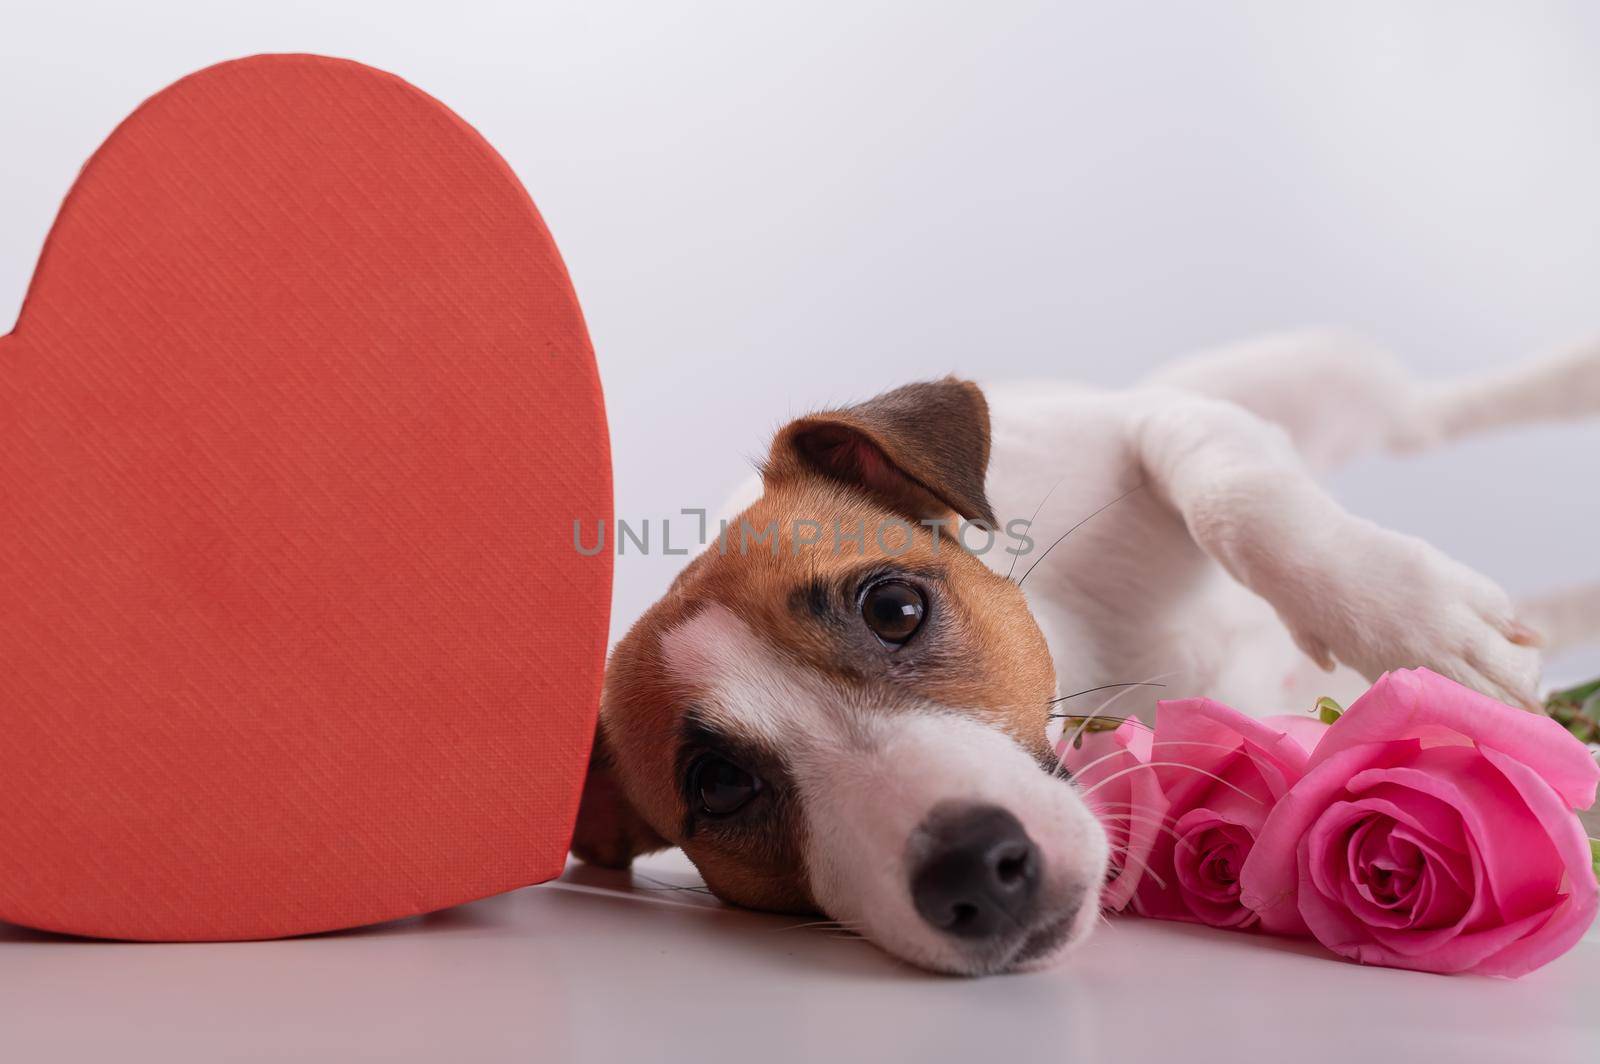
601,967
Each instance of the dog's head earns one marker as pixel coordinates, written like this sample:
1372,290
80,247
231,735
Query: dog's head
837,707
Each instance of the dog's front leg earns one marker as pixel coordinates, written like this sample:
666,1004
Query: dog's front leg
1348,590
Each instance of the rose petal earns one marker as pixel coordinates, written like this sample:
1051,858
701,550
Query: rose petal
1206,840
1129,803
1517,856
1210,736
1207,755
1512,866
1243,797
1329,868
1427,816
1272,874
1446,888
1337,879
1307,732
1460,953
1573,914
1419,704
1159,895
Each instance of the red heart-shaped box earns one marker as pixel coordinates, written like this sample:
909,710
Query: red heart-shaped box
294,427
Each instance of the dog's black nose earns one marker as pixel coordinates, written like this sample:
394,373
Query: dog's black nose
975,872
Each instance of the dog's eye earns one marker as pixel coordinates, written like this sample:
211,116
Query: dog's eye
722,786
893,610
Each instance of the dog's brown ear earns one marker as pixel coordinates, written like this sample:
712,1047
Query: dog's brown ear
610,831
922,449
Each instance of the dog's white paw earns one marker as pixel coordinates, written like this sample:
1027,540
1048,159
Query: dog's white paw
1377,600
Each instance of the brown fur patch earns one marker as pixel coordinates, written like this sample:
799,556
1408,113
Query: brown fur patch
989,660
922,449
845,494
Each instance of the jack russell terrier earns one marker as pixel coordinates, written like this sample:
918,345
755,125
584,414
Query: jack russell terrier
847,710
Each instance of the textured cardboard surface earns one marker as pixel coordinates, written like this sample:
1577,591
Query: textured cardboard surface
294,426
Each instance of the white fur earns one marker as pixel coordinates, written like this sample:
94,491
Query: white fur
864,800
1230,572
869,774
747,689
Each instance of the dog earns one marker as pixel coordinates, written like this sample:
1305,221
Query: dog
843,705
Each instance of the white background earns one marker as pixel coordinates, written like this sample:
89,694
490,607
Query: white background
770,207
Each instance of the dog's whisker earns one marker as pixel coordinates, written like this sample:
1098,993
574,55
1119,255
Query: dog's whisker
665,887
1116,805
1081,770
1111,701
830,924
1130,806
1173,764
1143,868
1036,510
1102,687
1107,704
1074,528
1159,826
1103,718
1060,769
1083,726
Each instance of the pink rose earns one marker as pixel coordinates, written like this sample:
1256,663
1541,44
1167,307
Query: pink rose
1111,767
1221,773
1182,804
1433,829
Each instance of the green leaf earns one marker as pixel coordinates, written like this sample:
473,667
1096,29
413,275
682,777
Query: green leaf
1577,709
1577,695
1594,851
1328,710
